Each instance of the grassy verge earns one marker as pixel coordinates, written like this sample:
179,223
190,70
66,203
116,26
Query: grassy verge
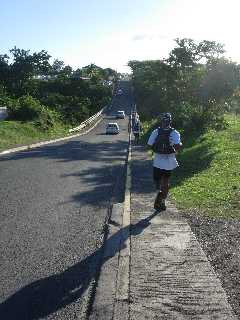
208,179
16,133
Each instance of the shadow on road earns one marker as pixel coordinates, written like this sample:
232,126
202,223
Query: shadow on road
74,150
97,167
45,296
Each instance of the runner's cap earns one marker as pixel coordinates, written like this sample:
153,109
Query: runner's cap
167,116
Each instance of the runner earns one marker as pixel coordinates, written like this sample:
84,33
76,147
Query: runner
137,130
165,142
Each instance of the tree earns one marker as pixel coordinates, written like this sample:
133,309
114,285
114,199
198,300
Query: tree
195,83
66,71
57,66
188,53
92,71
4,68
59,95
109,74
221,79
25,66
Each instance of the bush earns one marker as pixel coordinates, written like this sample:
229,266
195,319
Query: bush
54,100
24,109
77,113
71,109
197,117
46,119
8,102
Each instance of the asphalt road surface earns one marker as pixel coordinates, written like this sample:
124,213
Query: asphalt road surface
54,203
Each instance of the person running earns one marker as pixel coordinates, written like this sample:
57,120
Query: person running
137,130
165,142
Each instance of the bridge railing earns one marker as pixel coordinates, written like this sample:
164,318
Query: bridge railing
88,121
3,113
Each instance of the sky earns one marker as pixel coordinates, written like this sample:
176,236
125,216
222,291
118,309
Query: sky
109,33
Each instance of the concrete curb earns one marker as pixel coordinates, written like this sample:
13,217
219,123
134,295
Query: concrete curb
103,300
121,307
111,299
40,144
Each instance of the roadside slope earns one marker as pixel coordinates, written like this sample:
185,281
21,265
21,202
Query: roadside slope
206,190
171,277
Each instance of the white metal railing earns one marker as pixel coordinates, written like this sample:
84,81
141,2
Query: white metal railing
3,113
88,121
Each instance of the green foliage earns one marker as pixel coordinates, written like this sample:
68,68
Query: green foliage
24,67
46,119
5,100
57,66
208,177
44,100
4,68
14,133
234,103
35,90
195,84
24,109
188,53
220,81
77,112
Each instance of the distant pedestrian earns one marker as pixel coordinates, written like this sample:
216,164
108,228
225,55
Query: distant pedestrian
137,130
130,124
133,118
165,142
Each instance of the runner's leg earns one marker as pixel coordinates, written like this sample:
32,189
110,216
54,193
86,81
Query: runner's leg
164,189
157,181
165,186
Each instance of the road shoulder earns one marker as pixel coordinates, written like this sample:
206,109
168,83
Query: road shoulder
171,277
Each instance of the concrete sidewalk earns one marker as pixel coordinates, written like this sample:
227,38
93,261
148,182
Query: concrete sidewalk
153,267
170,276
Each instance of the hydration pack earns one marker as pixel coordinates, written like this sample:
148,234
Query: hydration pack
162,142
136,127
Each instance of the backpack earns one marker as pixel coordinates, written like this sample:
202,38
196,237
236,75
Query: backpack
136,127
162,143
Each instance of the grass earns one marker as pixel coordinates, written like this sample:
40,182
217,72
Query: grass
208,179
16,133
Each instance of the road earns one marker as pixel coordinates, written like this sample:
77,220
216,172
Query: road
54,203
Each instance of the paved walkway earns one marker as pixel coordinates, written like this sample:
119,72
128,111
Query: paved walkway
170,276
154,268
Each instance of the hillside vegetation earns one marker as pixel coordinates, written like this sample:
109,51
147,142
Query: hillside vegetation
208,179
201,88
43,98
16,133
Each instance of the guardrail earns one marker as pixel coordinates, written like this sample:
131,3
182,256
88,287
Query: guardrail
88,121
40,144
3,113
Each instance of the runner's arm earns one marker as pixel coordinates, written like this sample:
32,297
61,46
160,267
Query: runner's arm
177,147
175,141
151,140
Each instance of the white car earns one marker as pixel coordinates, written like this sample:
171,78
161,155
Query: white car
112,128
120,114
